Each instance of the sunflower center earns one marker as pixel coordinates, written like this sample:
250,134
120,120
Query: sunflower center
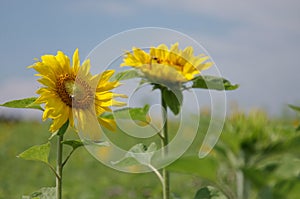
75,94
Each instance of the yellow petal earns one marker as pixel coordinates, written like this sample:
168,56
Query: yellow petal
58,122
107,123
76,62
64,62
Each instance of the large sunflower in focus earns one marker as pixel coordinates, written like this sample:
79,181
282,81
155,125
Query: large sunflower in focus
71,92
170,67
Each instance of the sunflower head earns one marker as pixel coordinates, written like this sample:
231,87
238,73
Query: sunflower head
167,66
71,91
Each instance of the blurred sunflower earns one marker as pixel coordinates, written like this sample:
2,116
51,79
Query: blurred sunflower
170,67
71,92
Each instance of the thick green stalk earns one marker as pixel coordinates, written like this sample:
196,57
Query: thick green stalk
247,188
240,184
59,167
165,141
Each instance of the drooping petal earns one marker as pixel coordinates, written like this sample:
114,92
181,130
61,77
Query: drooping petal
58,122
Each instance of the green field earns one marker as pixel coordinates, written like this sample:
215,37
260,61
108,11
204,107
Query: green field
264,150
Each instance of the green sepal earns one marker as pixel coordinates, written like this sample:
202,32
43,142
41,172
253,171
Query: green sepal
63,129
213,83
23,103
124,75
37,152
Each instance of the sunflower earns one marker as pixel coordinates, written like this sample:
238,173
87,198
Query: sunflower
72,92
167,66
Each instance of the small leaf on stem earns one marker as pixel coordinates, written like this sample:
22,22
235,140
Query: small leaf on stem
63,129
172,99
124,75
23,103
37,152
73,143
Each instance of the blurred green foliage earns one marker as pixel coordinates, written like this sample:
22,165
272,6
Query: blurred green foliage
84,176
259,157
256,157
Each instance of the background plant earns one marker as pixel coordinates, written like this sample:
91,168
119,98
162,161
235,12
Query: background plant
256,157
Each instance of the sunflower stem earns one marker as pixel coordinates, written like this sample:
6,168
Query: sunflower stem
157,173
59,167
165,140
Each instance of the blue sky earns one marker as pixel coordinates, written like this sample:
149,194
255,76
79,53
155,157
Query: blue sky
254,43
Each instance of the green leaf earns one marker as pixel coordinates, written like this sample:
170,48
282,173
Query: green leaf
203,193
290,146
124,75
209,192
173,100
63,129
73,143
37,152
23,103
213,83
43,193
138,154
137,114
204,168
265,193
288,188
144,81
258,177
295,108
